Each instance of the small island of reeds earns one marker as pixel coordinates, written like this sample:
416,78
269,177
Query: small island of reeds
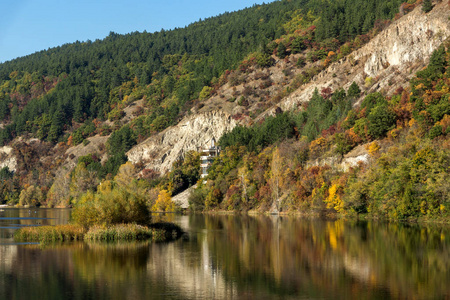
110,214
159,232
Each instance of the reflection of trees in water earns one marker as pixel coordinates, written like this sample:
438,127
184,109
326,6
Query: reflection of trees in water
112,263
319,258
38,273
242,256
80,271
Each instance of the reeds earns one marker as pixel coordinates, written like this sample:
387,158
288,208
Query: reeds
119,232
159,232
46,234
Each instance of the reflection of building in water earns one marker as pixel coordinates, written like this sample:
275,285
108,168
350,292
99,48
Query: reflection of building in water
190,272
207,158
7,255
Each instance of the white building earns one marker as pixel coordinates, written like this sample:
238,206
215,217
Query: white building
207,157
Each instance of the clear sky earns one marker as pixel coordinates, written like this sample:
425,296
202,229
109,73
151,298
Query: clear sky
27,26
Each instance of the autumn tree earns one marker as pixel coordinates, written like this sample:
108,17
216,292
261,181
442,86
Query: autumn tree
126,176
59,193
164,202
277,168
31,196
83,180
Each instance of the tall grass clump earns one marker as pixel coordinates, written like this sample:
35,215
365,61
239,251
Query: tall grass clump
133,232
46,234
111,206
119,232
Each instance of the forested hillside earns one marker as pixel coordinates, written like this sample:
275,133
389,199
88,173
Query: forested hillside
130,87
46,92
405,136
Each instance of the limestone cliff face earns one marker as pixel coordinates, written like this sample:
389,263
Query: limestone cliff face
412,38
389,60
7,159
343,163
159,152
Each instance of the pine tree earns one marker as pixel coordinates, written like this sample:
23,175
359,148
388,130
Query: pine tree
427,6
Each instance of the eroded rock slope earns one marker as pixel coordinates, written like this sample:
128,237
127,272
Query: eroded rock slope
194,132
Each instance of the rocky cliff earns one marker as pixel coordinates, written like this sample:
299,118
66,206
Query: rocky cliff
389,60
7,159
194,132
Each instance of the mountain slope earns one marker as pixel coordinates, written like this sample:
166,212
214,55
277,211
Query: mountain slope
384,64
153,98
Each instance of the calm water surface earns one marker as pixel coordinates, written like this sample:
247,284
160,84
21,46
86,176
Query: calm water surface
232,257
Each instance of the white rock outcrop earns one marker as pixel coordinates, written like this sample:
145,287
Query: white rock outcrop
160,151
7,159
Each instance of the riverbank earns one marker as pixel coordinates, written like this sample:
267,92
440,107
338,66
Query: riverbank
329,215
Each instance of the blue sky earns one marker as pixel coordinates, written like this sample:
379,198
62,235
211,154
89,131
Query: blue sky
28,26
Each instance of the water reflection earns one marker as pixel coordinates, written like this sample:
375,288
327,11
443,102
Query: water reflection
241,257
13,218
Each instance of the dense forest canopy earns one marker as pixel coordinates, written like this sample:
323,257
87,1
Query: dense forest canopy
45,92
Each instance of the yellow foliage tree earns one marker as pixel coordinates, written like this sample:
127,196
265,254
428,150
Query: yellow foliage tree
373,148
334,199
59,193
105,187
31,196
277,167
205,92
164,202
318,146
126,175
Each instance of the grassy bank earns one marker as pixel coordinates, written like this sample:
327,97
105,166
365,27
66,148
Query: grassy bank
120,232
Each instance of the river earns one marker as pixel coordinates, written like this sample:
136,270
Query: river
232,257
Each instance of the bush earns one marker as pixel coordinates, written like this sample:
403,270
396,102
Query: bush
427,6
112,206
264,60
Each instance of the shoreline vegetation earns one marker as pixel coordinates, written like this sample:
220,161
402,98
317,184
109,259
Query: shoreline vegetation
156,232
327,215
166,231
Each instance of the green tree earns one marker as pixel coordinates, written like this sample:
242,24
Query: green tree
282,51
354,90
427,6
381,120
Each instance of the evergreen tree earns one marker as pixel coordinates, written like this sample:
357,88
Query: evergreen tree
427,6
282,51
354,90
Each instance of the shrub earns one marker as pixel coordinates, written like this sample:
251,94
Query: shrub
264,60
111,206
427,6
